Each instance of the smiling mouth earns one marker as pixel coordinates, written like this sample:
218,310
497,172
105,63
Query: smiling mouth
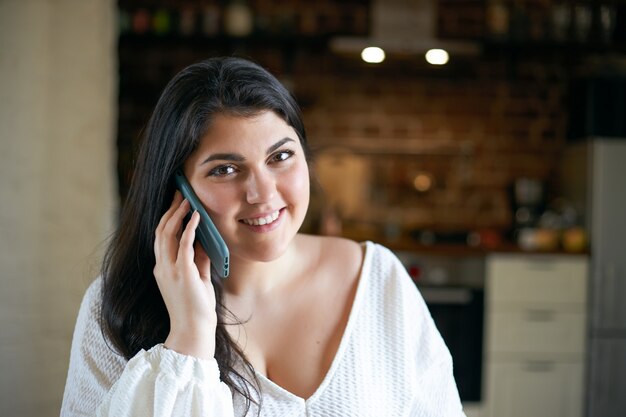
261,221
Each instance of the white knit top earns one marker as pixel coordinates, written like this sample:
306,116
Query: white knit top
391,361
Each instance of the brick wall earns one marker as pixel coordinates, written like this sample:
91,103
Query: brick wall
473,133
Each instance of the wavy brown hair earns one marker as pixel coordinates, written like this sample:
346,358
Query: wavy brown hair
134,315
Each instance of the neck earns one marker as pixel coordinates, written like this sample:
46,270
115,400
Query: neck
252,278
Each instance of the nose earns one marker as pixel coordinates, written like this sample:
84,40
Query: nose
260,187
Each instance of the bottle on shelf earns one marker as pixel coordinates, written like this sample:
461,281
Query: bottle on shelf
238,19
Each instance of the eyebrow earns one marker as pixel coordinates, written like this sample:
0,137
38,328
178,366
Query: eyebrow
239,158
278,145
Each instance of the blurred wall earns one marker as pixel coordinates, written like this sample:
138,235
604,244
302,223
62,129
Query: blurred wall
57,114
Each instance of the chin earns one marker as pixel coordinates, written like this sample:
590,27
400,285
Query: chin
266,248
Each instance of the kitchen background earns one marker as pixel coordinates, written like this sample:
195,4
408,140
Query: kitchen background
473,170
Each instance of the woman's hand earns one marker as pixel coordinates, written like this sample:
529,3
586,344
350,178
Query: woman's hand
183,274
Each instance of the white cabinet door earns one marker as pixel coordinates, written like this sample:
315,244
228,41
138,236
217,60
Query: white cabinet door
536,389
533,330
538,279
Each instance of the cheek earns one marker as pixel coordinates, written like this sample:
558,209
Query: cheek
298,184
217,202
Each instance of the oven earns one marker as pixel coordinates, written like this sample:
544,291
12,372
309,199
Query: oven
453,289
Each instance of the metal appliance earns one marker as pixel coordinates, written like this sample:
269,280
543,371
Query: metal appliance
404,27
593,177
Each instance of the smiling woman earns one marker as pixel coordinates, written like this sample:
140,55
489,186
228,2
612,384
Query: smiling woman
303,325
252,172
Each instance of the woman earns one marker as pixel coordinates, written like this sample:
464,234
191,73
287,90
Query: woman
303,325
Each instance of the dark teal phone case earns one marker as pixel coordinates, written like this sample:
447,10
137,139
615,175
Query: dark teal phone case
210,238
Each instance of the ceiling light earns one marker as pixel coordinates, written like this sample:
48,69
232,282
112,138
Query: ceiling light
437,57
373,55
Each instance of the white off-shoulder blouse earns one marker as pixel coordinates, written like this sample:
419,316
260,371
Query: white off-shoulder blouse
391,361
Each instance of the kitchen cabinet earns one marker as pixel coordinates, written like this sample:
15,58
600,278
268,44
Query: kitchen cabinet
536,320
536,388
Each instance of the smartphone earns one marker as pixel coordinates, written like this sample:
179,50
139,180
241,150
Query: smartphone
207,233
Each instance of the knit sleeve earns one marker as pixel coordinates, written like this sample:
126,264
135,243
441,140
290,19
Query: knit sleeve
163,383
158,382
441,398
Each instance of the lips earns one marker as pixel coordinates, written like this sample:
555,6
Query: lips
263,220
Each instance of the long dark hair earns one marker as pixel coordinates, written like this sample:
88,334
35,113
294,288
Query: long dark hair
134,316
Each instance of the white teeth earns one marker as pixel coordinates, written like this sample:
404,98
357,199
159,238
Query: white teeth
260,221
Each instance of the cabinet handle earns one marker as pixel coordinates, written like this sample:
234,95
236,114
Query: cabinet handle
547,264
541,315
538,366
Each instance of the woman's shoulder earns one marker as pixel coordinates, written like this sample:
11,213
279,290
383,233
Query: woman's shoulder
341,248
335,255
332,249
91,301
88,320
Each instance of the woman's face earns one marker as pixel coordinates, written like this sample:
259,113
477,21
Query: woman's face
253,179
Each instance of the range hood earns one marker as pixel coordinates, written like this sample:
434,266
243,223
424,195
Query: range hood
403,27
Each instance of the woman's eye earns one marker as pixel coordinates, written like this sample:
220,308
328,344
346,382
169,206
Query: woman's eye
282,155
222,171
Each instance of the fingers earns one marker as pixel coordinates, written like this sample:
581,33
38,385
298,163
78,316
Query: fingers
202,261
185,248
176,201
191,254
168,231
174,223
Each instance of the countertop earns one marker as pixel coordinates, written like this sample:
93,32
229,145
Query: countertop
446,249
